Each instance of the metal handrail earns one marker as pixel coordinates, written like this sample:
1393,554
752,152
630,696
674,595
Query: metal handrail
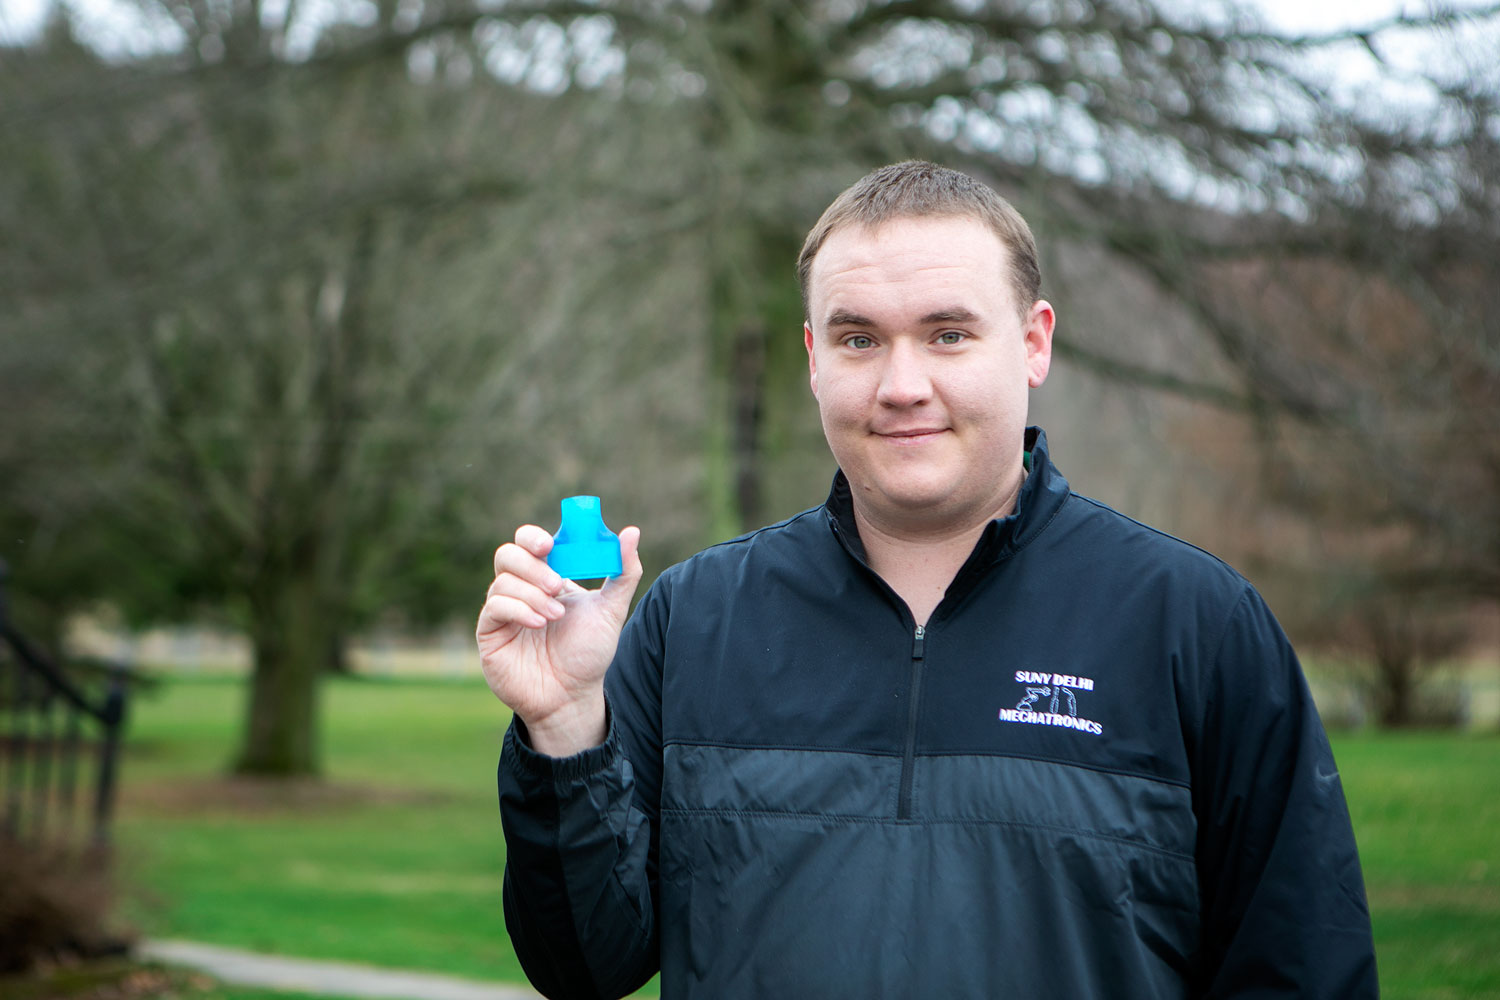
31,685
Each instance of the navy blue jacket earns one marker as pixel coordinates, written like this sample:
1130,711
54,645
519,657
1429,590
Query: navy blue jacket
1096,772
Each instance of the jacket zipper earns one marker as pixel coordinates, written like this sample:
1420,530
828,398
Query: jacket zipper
908,758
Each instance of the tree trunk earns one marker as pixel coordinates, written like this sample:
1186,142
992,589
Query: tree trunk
337,660
290,634
746,388
752,302
1396,689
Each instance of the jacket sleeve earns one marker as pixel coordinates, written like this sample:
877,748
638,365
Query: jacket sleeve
580,872
1281,893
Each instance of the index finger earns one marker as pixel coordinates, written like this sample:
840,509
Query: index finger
531,540
537,541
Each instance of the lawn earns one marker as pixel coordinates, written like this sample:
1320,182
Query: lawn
397,858
1426,808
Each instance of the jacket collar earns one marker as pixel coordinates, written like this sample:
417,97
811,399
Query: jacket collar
1042,496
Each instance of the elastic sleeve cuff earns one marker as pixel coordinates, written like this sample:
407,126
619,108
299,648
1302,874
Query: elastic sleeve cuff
532,766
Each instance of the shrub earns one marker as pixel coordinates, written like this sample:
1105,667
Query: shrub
55,904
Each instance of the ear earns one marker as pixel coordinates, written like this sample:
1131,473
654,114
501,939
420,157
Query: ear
1040,323
812,361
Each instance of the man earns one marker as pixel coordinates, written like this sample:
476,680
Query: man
957,732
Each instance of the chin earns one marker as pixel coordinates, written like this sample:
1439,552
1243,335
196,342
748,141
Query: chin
917,500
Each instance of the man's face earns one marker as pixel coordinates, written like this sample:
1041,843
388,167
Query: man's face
921,361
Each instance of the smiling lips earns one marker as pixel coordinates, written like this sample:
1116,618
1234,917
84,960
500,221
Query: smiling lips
911,435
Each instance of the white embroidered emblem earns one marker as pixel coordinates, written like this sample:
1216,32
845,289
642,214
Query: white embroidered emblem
1061,705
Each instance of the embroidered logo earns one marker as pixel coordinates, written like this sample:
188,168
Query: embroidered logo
1050,701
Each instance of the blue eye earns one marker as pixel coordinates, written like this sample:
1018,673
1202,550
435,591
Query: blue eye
860,342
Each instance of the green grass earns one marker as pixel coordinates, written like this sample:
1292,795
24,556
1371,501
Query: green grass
1426,808
400,864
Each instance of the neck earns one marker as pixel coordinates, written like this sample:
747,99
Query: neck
920,560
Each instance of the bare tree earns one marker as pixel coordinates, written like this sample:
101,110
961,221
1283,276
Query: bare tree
241,262
1363,336
285,329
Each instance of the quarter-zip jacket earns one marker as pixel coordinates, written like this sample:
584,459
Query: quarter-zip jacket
1095,772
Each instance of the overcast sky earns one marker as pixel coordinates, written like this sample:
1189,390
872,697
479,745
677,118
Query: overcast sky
1350,66
18,18
1327,15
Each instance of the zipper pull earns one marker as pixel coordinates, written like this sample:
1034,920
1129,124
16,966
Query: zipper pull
916,645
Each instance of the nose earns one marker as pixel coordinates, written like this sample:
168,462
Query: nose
904,380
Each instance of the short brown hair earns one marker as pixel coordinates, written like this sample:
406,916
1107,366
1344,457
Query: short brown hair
914,189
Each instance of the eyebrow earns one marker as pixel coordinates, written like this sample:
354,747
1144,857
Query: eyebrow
952,314
843,317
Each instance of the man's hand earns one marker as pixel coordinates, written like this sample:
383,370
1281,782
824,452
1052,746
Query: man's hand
545,642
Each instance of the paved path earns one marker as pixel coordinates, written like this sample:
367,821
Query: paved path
247,968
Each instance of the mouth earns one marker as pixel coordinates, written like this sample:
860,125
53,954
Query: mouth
911,435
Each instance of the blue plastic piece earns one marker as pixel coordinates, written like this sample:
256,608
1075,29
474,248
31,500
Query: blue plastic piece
583,548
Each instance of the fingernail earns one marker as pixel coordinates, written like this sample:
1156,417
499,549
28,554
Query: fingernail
556,608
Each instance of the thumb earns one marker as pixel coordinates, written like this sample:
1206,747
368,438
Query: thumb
618,590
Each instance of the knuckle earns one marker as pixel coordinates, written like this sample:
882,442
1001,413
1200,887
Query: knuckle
509,559
514,587
499,609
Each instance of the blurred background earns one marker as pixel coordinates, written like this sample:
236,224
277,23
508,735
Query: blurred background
305,304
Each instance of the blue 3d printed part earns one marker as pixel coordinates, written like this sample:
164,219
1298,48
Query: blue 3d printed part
583,548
